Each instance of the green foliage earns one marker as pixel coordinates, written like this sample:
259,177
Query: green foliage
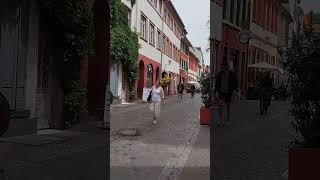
124,43
205,89
76,99
73,25
165,82
303,66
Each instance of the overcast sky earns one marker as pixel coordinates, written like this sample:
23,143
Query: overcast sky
195,14
309,5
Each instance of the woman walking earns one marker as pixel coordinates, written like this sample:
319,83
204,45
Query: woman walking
157,96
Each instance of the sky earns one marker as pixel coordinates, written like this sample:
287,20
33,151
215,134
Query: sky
195,14
309,5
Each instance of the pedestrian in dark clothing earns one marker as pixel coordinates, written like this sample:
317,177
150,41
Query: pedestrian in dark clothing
180,89
193,90
265,89
225,86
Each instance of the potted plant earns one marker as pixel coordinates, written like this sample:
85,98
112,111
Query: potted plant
165,82
75,104
303,67
205,111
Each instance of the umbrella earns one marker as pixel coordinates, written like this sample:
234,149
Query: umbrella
263,65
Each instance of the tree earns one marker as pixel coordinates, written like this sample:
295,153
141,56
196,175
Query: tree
303,66
124,43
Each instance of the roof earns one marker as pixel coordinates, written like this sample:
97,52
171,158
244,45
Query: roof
185,39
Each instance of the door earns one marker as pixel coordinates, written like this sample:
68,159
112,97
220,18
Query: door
43,98
124,87
9,38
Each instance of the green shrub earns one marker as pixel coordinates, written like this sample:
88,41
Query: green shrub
302,63
205,89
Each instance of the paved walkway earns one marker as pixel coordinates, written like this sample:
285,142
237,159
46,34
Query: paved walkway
254,147
78,154
158,151
198,164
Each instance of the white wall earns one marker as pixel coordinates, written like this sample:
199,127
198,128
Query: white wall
146,49
169,33
173,67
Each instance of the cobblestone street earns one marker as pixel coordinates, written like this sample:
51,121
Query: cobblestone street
254,147
159,151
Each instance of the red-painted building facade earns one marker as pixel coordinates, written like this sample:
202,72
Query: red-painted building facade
230,50
193,67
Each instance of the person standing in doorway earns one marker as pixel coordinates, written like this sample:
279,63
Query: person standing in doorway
180,89
225,86
157,98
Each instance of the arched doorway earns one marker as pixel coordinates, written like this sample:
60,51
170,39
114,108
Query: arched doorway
149,76
141,79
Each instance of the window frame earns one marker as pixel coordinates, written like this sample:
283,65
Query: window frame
152,37
145,29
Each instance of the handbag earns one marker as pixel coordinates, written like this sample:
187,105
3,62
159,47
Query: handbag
149,97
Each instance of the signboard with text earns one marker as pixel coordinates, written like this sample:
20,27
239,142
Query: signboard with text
145,94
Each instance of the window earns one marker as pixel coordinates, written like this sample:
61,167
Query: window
174,28
156,4
129,18
225,9
244,11
143,27
170,50
165,14
232,11
158,39
238,13
160,6
151,33
164,44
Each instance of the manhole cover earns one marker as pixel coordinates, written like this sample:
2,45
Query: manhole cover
128,132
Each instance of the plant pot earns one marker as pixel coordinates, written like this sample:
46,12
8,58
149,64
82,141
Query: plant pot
205,115
304,163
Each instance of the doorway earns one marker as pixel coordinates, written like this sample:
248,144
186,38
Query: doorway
141,79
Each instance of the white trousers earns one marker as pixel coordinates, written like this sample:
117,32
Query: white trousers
155,107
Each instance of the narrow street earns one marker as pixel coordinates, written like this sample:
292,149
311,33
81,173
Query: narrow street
254,147
158,151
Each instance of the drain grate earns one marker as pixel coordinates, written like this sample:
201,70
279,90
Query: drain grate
129,132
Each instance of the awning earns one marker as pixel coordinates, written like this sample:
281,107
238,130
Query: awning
263,65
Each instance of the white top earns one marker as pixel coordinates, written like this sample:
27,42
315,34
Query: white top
157,94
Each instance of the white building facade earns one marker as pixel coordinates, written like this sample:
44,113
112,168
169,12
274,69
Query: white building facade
160,32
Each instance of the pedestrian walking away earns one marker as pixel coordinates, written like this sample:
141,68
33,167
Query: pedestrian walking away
157,98
193,90
225,86
180,89
265,92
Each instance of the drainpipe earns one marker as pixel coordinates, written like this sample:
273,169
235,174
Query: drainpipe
161,47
